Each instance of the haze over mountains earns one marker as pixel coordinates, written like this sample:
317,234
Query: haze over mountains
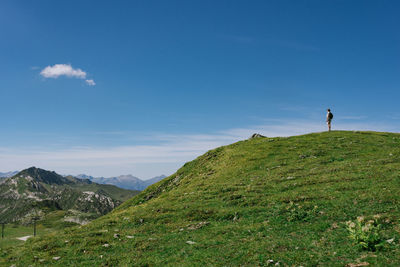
7,174
124,181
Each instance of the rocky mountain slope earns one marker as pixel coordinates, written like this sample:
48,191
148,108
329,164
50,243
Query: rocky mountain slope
36,191
324,199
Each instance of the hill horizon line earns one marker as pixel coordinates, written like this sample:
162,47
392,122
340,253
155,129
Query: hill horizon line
7,174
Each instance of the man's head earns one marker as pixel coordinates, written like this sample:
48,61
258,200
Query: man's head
329,110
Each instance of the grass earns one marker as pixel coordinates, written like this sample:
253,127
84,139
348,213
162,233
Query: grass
52,222
11,232
253,203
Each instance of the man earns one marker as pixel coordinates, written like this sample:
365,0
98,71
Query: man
329,117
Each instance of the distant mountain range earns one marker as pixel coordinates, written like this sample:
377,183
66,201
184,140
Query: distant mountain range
38,192
7,174
124,181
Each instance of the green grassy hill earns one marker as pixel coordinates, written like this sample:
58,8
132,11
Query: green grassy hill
253,203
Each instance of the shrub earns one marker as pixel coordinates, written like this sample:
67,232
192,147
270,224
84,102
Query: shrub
366,233
296,212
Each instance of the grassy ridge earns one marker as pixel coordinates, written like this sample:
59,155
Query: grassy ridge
250,203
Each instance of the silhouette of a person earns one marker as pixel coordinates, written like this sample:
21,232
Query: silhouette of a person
329,117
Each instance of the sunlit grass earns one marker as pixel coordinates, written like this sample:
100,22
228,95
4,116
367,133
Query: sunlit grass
255,202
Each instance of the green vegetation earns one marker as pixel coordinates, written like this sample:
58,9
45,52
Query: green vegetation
255,202
367,234
53,221
113,191
12,232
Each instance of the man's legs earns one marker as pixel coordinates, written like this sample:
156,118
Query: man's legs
329,126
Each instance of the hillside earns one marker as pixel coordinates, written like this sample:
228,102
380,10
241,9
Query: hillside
257,202
36,192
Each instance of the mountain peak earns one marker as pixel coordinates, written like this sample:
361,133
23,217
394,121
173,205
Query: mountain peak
41,175
29,190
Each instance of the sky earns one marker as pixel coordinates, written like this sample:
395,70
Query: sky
140,87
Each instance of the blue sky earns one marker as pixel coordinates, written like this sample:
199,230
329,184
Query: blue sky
172,79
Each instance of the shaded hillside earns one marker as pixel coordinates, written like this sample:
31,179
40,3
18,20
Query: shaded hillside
35,192
253,203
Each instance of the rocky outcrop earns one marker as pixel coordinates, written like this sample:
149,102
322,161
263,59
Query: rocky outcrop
256,135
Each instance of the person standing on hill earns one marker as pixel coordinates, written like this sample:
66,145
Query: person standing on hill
329,117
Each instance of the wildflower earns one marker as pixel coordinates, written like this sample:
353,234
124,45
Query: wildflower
377,216
350,224
390,241
366,228
360,218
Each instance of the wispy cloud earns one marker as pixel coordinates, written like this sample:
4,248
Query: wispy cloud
67,70
160,153
90,82
353,117
394,116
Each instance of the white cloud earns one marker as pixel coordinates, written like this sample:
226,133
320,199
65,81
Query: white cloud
67,70
90,82
58,70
